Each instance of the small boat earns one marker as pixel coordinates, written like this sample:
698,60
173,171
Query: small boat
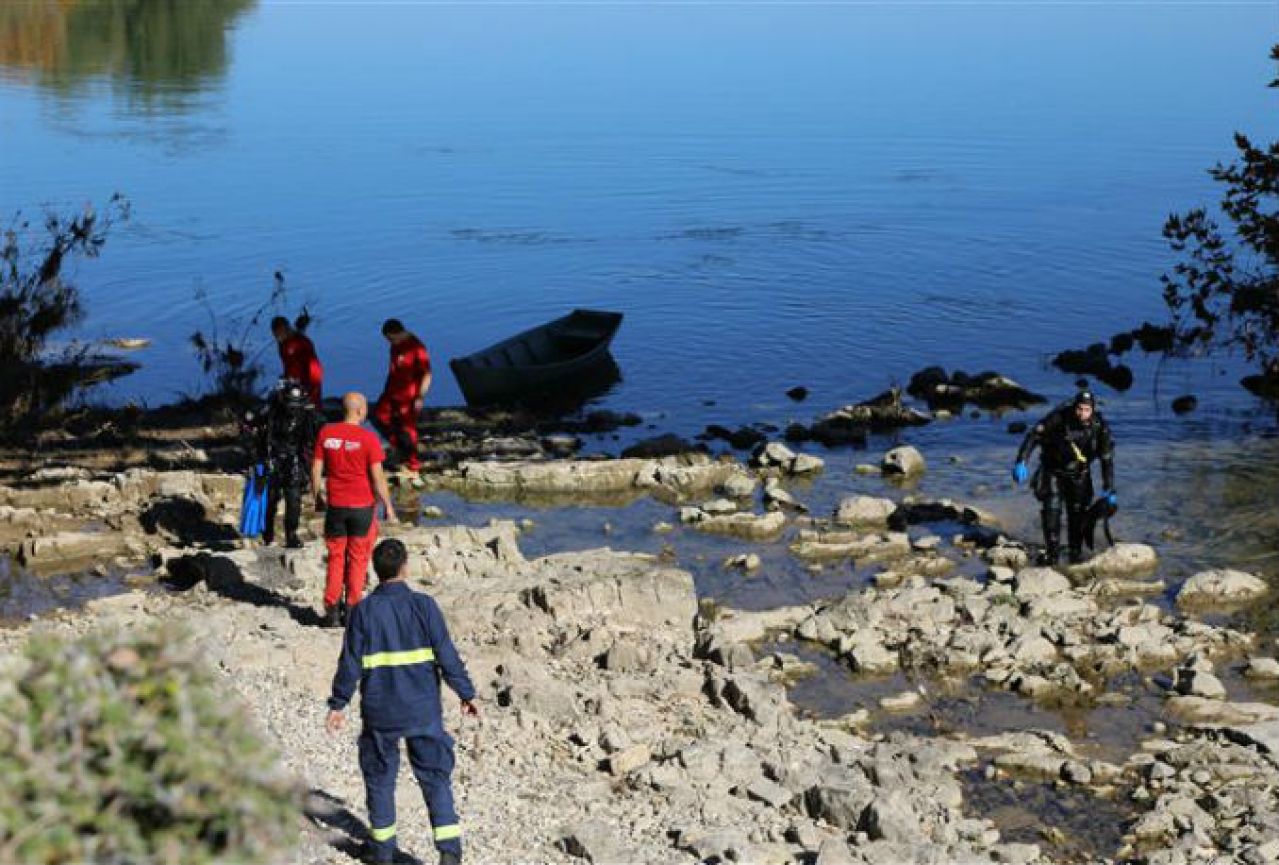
545,360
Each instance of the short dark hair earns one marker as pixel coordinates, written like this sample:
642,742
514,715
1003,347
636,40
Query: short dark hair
392,326
388,559
278,322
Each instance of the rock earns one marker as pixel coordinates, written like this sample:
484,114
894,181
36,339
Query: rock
667,445
1196,683
719,507
835,851
1015,854
890,817
771,794
1185,404
1198,710
743,525
1118,561
1033,649
1039,583
739,486
902,702
628,759
742,438
1266,669
1263,736
1220,587
905,461
773,455
866,469
798,394
865,511
744,561
594,841
839,801
806,464
870,657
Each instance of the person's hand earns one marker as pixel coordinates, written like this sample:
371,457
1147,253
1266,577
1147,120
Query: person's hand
335,721
1019,473
417,405
388,513
1112,498
469,709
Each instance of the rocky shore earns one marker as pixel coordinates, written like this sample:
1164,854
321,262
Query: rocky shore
627,720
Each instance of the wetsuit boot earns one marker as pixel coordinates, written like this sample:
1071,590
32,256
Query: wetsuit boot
1051,517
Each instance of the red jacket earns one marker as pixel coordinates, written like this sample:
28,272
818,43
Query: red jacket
410,361
297,353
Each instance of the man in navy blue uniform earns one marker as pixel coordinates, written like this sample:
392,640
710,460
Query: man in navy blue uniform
397,648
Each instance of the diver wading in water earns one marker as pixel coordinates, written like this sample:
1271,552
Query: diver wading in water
1069,439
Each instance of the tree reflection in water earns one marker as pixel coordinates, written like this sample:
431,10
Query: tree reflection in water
158,53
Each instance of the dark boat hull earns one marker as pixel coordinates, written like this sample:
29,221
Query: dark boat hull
545,362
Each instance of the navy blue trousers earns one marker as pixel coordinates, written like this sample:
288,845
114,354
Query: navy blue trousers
431,758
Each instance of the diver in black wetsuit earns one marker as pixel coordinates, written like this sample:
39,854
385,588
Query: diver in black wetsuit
283,432
1069,438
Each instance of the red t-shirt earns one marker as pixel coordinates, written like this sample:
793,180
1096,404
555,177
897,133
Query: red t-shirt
409,363
348,452
297,353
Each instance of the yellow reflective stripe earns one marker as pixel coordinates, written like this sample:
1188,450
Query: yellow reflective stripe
445,833
1079,455
398,659
383,834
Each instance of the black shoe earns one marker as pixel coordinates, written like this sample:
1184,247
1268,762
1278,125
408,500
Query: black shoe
448,857
343,612
1076,556
268,538
293,543
332,618
1049,557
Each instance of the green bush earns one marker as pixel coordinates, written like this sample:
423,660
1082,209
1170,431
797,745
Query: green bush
124,748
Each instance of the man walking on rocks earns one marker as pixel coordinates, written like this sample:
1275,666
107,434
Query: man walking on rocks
407,381
350,456
397,647
1069,439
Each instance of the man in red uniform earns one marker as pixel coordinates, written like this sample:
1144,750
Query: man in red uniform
350,456
407,382
297,353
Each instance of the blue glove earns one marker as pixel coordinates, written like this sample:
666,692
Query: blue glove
1019,473
1112,498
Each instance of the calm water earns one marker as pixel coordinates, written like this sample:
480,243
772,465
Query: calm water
775,194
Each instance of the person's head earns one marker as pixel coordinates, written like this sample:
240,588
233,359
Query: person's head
280,328
390,560
393,330
1085,404
355,408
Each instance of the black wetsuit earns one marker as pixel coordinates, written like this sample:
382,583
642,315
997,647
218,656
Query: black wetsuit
1068,447
284,433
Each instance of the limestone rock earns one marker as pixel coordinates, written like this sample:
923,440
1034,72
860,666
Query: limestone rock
904,460
1220,587
865,511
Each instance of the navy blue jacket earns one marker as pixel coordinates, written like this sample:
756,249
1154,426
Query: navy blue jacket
397,648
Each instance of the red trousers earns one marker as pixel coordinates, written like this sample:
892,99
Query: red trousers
398,422
349,553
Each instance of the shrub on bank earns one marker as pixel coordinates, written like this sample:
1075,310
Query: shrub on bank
123,748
